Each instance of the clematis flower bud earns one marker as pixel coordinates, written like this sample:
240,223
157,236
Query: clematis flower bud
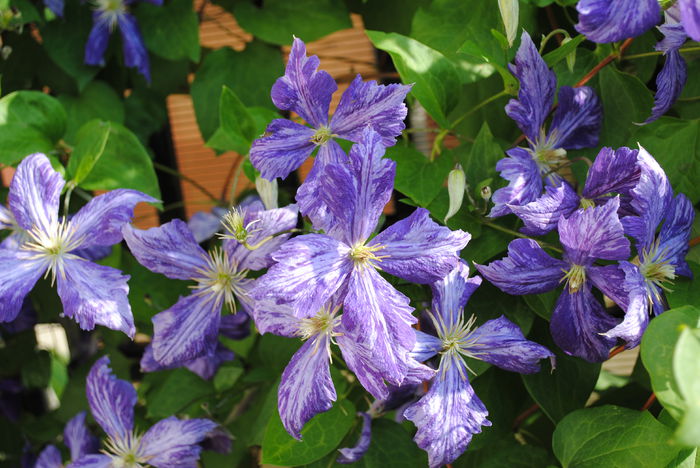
509,13
268,192
456,183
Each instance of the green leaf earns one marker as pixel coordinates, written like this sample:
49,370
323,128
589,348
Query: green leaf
250,74
657,351
676,146
554,391
686,370
504,453
170,30
435,78
179,390
236,125
542,304
560,53
108,156
685,290
30,122
416,176
278,21
611,436
97,101
227,376
64,41
391,445
320,435
625,101
36,372
481,163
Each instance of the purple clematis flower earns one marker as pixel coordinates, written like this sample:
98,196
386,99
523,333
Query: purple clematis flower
450,413
578,321
576,124
614,172
170,442
91,294
661,255
77,438
189,329
614,20
204,225
312,268
235,327
107,16
307,91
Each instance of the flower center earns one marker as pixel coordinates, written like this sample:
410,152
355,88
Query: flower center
319,327
547,157
221,279
322,135
53,244
587,203
455,337
110,11
656,269
363,255
575,278
236,229
125,452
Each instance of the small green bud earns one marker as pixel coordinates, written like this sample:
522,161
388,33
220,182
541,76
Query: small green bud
268,192
456,183
509,13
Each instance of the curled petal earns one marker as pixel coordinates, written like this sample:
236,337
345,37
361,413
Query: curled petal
674,236
448,415
187,330
111,400
537,85
95,294
501,342
303,88
526,270
674,74
309,270
20,272
614,20
418,249
578,323
135,53
451,293
98,40
306,388
613,171
542,215
578,118
100,222
524,181
175,442
170,250
282,149
380,107
35,192
594,233
353,454
78,438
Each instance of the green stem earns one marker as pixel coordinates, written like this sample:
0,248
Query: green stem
653,54
546,39
197,185
498,227
236,177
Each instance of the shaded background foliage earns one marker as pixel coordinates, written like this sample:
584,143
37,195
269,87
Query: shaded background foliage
107,128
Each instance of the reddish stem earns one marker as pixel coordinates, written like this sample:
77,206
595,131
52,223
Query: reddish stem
615,351
524,415
694,241
650,401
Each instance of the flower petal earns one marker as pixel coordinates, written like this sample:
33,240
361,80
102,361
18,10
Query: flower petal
266,224
56,7
674,236
235,326
594,233
451,293
187,330
282,149
100,222
357,189
35,192
19,273
170,250
364,104
92,461
308,196
204,224
97,41
78,438
542,215
448,415
310,269
378,318
690,16
614,20
204,366
306,388
278,319
613,171
537,85
578,118
135,53
173,442
418,249
674,74
526,270
7,219
111,400
501,342
578,323
426,346
304,89
50,457
524,181
95,294
353,454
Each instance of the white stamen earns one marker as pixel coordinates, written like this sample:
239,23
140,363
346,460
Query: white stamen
53,244
221,279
